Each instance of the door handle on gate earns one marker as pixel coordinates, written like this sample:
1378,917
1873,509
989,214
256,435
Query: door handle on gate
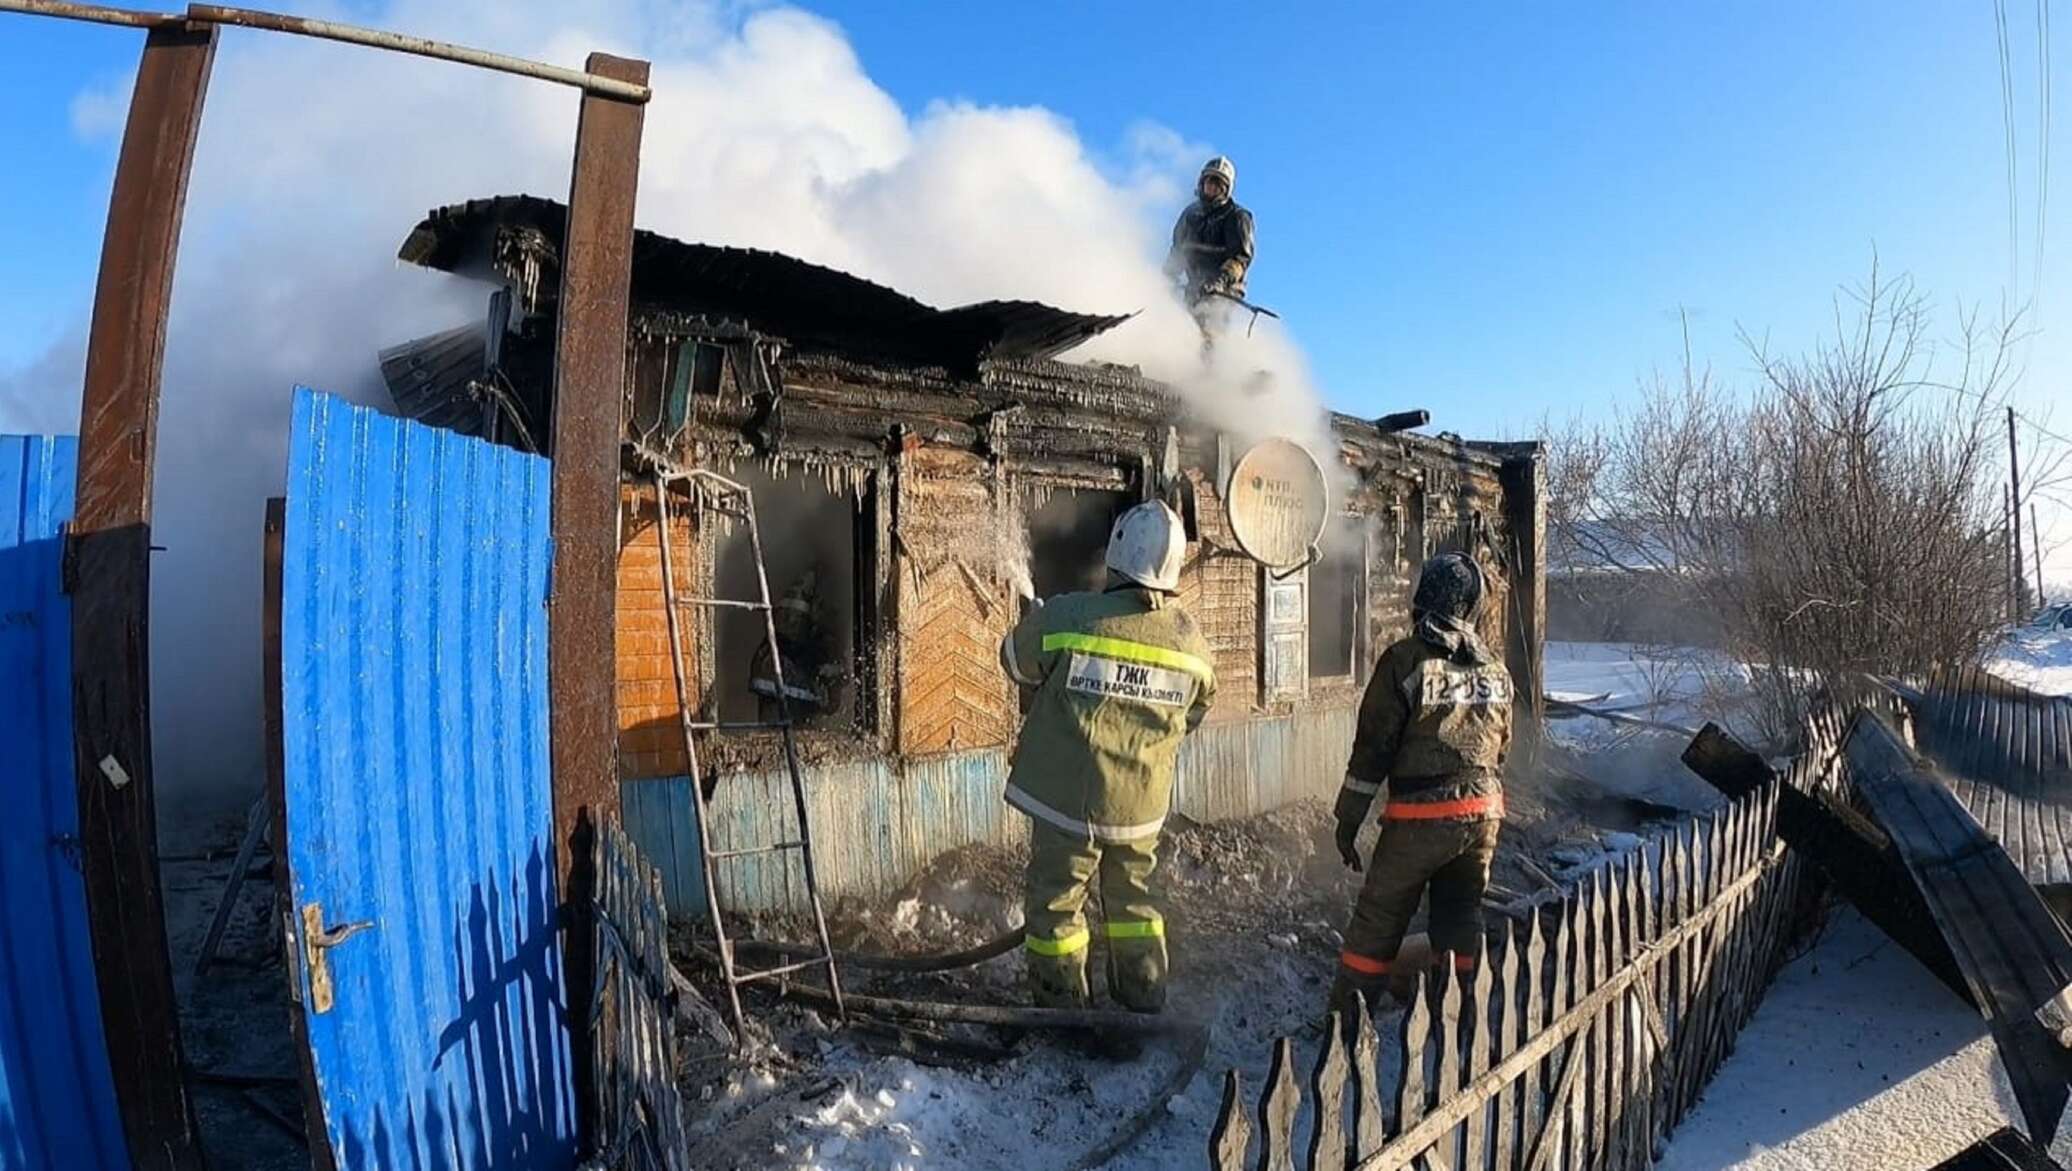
317,941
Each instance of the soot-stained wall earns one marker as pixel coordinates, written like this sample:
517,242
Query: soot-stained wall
926,502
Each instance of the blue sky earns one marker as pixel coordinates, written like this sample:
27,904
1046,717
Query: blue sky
1496,212
1489,210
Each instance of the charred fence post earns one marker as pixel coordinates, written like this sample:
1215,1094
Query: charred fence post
108,574
1848,849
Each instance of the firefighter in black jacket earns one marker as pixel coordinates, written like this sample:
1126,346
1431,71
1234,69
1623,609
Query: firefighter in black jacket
1212,246
1435,728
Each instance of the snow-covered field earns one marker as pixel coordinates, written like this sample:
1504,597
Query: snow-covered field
2038,655
1664,696
1857,1060
1672,685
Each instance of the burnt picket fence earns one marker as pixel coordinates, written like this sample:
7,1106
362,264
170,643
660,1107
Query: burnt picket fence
640,1124
1578,1044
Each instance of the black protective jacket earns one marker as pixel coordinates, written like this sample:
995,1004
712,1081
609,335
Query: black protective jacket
1211,242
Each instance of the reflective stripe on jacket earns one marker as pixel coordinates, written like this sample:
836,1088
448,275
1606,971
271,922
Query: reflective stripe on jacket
1120,678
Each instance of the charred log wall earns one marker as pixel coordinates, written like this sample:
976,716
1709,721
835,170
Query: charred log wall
957,469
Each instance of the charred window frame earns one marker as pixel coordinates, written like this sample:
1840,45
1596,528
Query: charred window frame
849,559
688,372
1064,524
1067,523
695,374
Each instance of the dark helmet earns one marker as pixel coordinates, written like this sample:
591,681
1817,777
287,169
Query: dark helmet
1450,584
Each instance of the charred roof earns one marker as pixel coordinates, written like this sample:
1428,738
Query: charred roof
517,238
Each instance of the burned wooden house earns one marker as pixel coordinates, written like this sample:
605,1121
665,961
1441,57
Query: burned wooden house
915,471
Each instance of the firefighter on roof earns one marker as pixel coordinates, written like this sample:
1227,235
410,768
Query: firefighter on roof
1434,727
1212,245
1120,677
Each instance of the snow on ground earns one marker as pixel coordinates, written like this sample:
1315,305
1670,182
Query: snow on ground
1677,685
1856,1060
1254,910
2038,655
1680,688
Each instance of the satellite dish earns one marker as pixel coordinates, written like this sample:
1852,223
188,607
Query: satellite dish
1277,502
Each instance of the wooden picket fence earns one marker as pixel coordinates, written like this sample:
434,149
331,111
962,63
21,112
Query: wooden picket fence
640,1124
1575,1046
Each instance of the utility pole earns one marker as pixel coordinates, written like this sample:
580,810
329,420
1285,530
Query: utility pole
2007,548
2014,504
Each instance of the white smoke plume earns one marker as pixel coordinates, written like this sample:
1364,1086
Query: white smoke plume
315,159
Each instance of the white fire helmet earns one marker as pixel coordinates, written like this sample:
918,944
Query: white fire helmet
1147,545
1221,167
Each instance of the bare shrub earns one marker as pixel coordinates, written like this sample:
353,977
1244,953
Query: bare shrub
1840,518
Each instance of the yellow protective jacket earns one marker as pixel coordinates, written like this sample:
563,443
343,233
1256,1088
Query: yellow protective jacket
1120,678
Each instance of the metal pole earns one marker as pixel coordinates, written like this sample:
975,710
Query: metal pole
333,31
591,81
2007,549
588,431
94,13
109,578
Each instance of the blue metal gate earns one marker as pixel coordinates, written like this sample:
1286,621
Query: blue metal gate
57,1097
419,814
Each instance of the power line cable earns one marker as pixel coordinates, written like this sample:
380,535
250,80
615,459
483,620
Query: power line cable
2025,420
2042,143
2007,127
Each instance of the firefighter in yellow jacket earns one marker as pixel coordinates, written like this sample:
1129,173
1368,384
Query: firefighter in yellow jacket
1120,677
1434,726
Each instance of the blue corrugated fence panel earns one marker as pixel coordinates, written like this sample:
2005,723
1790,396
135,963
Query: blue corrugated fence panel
875,825
57,1097
414,680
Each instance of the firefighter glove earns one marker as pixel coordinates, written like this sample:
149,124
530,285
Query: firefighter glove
1348,842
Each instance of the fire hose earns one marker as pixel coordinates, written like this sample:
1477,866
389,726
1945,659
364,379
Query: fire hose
967,1014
